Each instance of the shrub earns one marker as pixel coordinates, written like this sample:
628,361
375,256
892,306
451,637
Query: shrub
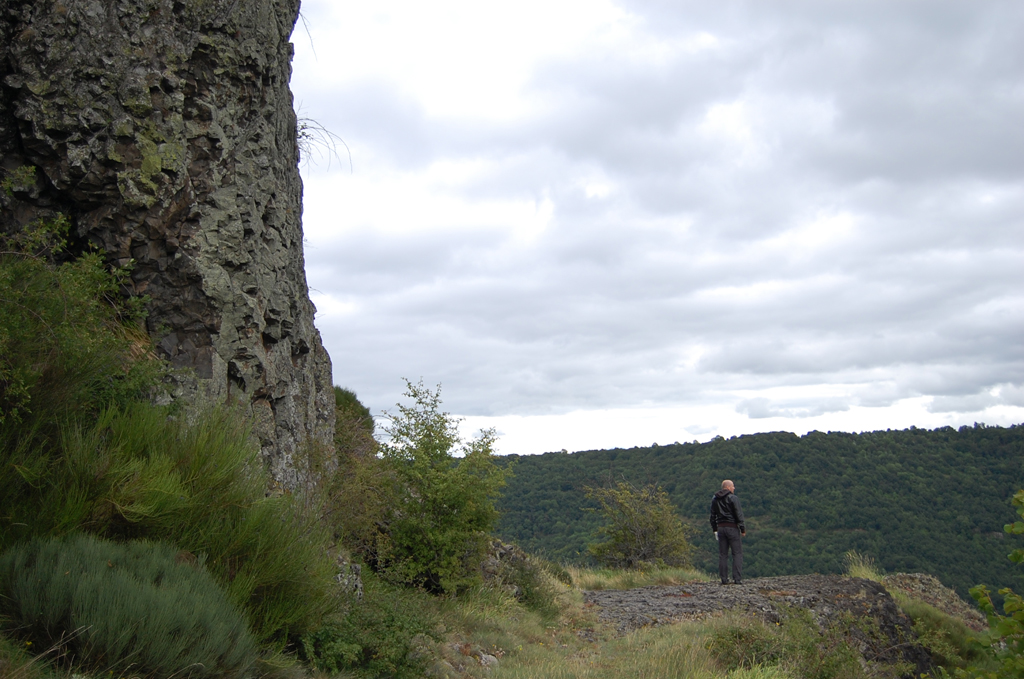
81,448
139,474
379,636
525,577
1005,647
121,607
68,349
355,419
642,528
446,488
558,571
69,341
363,489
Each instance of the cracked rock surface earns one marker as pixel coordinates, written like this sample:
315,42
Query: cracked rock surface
886,637
164,130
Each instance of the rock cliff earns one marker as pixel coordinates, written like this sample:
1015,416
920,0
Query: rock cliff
164,130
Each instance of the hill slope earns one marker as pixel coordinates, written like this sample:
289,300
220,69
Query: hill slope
914,500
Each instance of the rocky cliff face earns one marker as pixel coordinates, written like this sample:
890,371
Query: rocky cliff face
165,130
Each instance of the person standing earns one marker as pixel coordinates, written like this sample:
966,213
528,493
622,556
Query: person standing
727,523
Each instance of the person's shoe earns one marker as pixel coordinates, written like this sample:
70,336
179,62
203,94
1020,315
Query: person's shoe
738,582
726,582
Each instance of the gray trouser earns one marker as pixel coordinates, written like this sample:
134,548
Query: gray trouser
729,537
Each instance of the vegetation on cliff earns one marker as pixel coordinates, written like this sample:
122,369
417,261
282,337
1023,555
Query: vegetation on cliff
86,451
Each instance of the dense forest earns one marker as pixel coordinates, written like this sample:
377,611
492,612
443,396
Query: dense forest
914,500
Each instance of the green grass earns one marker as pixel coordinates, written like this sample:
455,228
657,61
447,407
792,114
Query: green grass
607,578
573,643
197,483
663,653
123,607
20,660
951,643
857,565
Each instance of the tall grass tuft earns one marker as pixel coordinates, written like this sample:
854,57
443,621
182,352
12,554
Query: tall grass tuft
19,660
82,449
124,607
797,647
68,349
859,565
137,473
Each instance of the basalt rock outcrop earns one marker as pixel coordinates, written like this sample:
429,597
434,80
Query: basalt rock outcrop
873,623
164,130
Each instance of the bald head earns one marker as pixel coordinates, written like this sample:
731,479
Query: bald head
728,485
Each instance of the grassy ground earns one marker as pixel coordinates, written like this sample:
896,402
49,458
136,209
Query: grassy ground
569,643
574,645
467,632
603,578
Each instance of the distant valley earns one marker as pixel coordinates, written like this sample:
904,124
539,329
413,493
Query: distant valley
914,500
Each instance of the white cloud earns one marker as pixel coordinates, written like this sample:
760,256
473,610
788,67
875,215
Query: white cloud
612,224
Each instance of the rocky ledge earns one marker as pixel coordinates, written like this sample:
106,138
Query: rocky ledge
886,637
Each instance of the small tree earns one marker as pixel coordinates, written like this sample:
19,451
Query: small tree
642,528
445,501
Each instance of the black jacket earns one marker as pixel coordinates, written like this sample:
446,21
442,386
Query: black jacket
725,507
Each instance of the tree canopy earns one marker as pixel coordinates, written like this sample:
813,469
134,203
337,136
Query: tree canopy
915,500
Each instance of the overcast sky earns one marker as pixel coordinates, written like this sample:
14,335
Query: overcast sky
602,224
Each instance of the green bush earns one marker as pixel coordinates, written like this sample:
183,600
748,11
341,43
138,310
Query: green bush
527,578
363,490
446,488
381,635
139,474
123,607
642,528
82,448
556,570
70,343
1004,648
69,347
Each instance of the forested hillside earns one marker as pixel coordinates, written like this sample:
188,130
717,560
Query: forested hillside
914,500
